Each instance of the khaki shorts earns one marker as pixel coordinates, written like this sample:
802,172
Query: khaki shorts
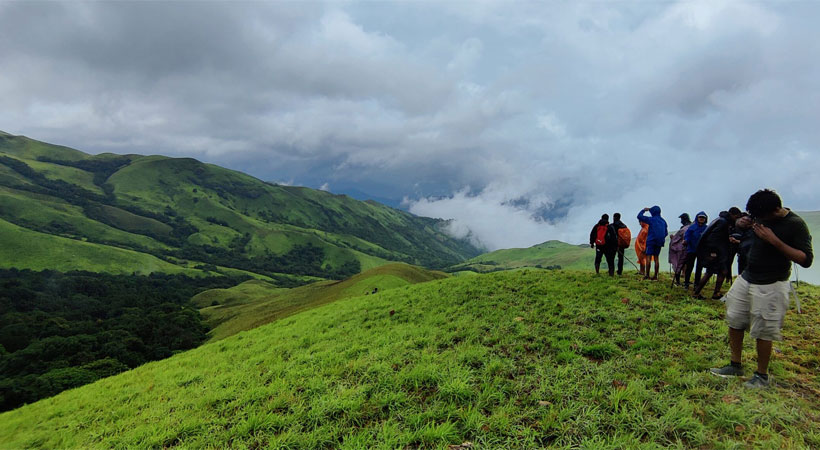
760,308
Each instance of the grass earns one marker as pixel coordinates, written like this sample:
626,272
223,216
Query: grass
550,253
517,359
26,249
255,303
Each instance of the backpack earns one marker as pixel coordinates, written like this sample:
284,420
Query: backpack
624,237
600,235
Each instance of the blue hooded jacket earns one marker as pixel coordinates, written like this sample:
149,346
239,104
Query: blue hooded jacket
693,234
657,226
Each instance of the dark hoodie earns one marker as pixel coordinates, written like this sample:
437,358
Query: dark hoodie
716,235
694,232
611,238
658,229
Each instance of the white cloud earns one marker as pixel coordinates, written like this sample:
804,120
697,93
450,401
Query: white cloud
559,111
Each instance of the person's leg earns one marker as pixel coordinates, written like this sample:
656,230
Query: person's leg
610,262
769,305
598,254
736,344
678,269
738,306
703,281
698,269
764,354
718,284
687,268
657,266
620,261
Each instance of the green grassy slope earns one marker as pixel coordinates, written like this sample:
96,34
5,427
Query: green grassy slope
188,210
550,253
255,303
25,249
516,359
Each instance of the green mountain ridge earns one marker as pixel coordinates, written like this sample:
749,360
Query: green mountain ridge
198,217
255,303
549,254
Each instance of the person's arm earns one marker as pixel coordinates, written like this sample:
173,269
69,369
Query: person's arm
793,254
592,235
641,216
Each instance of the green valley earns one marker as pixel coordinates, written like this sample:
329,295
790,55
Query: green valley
255,302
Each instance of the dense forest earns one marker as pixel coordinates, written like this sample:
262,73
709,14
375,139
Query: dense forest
63,330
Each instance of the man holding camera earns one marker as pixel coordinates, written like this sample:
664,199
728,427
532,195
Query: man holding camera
759,298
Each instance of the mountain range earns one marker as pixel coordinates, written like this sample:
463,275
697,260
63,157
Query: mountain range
64,209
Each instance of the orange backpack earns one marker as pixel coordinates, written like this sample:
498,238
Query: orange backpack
624,237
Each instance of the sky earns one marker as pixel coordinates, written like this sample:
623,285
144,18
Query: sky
522,122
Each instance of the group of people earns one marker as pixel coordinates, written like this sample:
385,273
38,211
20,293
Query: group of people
767,239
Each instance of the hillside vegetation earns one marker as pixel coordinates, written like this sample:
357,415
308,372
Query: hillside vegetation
63,330
516,359
132,213
550,254
812,274
255,303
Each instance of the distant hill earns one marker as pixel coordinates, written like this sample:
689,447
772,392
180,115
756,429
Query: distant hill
550,254
518,359
812,274
255,302
64,209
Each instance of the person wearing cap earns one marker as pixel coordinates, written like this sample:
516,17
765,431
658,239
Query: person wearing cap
759,298
677,249
655,238
690,240
713,251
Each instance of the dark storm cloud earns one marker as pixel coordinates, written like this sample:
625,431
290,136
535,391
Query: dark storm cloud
522,121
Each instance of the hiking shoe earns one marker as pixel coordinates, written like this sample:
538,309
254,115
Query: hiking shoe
758,382
727,371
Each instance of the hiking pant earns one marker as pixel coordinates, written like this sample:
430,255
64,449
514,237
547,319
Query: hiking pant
690,264
610,259
620,260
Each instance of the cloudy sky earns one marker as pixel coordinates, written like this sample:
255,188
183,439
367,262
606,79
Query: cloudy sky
521,121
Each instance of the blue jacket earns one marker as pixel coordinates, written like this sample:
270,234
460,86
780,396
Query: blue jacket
657,226
693,234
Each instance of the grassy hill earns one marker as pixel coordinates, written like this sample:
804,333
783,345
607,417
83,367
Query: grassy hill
516,359
255,303
812,274
182,211
550,253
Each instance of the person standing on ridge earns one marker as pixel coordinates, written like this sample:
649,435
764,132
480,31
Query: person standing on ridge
677,247
624,239
655,237
758,300
691,239
605,241
640,247
713,250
